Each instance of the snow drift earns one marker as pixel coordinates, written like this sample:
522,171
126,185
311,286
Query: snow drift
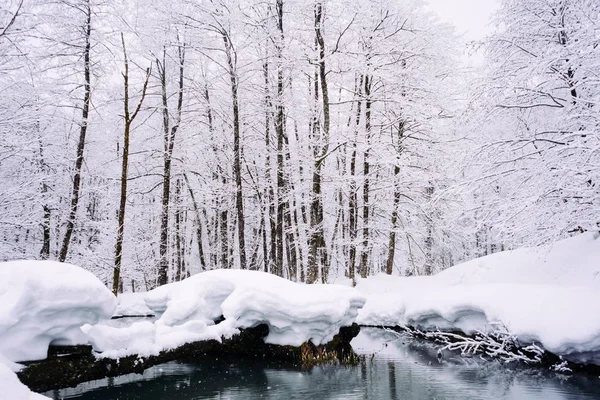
44,302
10,386
132,304
549,295
186,311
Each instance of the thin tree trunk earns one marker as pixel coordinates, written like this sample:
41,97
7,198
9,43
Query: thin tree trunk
169,133
318,250
280,132
216,177
364,259
254,258
290,241
294,207
178,246
121,214
198,223
82,133
428,267
163,266
128,120
47,218
353,199
224,232
237,164
298,240
389,266
271,255
312,272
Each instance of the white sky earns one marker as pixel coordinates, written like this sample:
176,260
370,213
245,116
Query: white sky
471,17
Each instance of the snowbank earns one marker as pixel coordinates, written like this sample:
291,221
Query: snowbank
548,295
43,302
13,389
186,311
132,304
10,385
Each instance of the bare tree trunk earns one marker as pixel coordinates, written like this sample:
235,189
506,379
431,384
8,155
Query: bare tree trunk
318,251
353,200
254,258
312,272
217,175
237,163
224,232
122,202
128,120
169,133
178,246
389,266
82,133
294,207
280,132
292,259
270,255
198,223
364,259
47,218
428,267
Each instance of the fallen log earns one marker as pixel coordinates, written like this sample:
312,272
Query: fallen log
67,366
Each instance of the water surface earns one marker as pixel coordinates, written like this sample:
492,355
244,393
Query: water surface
395,367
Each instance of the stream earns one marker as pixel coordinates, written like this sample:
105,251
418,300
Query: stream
394,367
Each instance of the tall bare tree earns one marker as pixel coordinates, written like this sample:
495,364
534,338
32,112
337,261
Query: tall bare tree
317,258
128,118
86,8
169,134
237,159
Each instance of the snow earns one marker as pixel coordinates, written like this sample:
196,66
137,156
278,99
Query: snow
44,302
132,304
549,295
186,311
10,386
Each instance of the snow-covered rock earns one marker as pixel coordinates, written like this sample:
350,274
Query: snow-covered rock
186,310
43,302
549,295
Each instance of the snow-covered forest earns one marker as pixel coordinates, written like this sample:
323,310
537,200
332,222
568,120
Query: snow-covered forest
147,140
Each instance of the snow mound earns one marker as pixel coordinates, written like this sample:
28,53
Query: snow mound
574,261
549,295
132,304
10,385
294,312
186,311
44,302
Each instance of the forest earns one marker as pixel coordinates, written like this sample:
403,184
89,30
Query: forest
316,140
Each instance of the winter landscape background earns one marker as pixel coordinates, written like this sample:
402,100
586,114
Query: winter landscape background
319,141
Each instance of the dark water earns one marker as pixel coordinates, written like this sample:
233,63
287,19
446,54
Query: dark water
400,369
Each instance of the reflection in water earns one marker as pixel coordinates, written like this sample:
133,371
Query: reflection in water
395,367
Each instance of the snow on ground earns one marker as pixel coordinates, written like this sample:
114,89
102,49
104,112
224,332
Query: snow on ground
12,388
43,302
186,311
548,295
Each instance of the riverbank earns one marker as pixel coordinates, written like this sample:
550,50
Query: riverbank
71,365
